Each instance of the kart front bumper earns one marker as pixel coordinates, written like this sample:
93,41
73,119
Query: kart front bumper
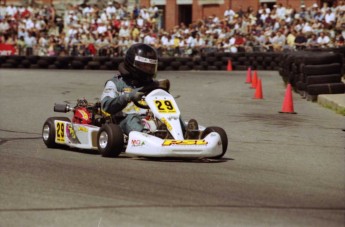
144,145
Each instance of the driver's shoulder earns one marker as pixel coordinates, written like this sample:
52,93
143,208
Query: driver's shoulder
118,81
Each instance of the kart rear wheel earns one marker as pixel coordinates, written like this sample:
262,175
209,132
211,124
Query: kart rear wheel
49,131
223,137
110,140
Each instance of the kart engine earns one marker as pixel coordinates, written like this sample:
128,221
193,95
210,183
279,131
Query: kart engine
81,114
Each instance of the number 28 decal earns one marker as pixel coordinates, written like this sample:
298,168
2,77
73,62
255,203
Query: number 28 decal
165,106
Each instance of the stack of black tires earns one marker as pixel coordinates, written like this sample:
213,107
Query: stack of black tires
60,62
219,61
313,72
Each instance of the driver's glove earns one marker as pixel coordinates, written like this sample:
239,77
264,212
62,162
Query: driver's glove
135,95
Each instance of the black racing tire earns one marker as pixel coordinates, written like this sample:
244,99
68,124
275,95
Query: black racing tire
101,59
175,64
117,60
321,79
183,60
260,58
3,58
75,64
42,63
93,65
198,67
241,67
7,66
61,63
225,60
49,132
184,68
331,88
219,64
14,62
83,59
332,68
301,86
223,137
26,63
242,60
211,60
35,66
50,59
322,58
169,68
166,60
109,64
110,140
161,65
33,59
190,64
212,68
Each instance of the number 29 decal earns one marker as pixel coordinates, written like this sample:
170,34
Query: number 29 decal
165,106
60,132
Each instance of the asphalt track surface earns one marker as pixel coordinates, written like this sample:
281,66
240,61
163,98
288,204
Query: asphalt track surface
279,170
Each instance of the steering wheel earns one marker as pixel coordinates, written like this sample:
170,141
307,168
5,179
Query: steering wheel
143,106
147,90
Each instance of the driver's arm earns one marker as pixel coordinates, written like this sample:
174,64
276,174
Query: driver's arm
111,100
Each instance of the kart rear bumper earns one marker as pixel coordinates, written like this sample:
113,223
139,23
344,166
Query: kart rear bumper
141,144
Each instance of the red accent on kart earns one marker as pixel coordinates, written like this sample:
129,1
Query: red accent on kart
82,116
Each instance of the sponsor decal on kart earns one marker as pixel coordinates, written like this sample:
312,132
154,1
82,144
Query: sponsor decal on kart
82,129
137,143
60,131
84,114
165,106
183,142
70,131
71,134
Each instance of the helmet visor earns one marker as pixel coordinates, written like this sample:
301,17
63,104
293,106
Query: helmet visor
146,65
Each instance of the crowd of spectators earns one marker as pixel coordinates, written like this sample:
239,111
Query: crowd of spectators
89,30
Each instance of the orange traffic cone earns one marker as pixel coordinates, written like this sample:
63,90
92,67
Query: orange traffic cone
249,76
254,79
288,102
258,91
229,66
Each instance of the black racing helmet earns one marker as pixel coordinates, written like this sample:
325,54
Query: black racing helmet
141,61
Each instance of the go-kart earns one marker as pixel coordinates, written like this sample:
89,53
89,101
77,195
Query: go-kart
165,134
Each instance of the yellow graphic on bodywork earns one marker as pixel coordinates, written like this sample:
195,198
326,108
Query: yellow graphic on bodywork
166,123
82,129
71,131
184,142
131,107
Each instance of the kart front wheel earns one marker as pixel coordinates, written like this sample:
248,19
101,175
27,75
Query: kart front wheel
223,137
110,140
49,131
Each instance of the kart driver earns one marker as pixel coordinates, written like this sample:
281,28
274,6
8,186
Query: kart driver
136,74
